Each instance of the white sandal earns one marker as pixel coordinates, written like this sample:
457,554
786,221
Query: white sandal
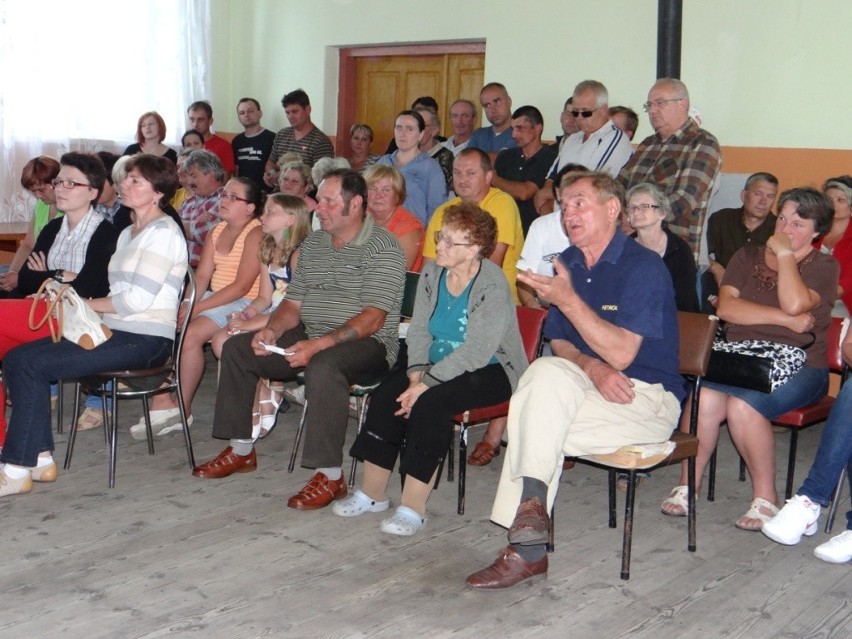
677,499
404,522
279,405
357,504
755,512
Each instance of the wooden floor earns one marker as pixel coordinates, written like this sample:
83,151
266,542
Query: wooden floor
164,554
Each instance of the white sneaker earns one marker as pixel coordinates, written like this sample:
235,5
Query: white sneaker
798,517
162,423
837,550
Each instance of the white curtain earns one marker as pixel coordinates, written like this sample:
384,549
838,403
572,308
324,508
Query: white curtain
77,76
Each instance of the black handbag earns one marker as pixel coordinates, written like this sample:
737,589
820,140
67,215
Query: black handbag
755,364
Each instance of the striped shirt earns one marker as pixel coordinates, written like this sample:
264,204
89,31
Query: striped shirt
68,251
146,274
226,265
312,147
685,166
334,285
607,149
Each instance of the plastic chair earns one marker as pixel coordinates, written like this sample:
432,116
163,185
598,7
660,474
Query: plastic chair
696,341
138,384
798,418
530,323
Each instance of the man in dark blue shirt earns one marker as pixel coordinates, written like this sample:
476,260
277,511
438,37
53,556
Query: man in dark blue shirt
613,381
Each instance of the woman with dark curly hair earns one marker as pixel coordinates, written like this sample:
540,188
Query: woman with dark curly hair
464,351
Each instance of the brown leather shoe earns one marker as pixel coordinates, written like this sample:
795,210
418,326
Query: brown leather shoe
226,463
483,454
531,525
508,570
319,492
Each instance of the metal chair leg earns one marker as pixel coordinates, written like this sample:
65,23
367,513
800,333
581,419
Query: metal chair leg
550,546
187,438
791,462
462,467
298,439
711,477
59,412
113,434
835,500
451,457
362,404
611,481
627,544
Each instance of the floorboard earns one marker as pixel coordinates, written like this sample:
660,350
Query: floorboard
165,554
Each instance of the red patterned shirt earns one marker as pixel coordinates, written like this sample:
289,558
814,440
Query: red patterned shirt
199,215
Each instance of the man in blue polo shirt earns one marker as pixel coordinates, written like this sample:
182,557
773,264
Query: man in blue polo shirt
613,381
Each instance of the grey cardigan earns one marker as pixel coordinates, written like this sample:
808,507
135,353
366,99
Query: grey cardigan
492,328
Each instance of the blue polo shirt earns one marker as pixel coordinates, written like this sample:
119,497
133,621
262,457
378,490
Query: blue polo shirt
486,140
629,287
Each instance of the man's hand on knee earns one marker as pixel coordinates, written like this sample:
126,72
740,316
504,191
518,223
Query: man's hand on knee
614,386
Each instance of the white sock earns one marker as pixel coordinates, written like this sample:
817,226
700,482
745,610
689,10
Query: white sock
242,447
332,473
15,472
44,461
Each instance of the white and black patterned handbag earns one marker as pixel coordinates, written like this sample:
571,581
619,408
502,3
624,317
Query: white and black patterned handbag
756,364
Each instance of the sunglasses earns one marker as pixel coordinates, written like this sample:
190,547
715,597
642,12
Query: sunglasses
585,114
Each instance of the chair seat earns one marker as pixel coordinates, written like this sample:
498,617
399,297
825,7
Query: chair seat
483,414
643,456
807,415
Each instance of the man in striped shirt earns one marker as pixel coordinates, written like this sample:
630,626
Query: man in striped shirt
681,158
339,324
598,145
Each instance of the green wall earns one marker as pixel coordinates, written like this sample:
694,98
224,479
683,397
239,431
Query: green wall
764,73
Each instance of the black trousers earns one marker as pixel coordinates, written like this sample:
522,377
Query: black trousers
427,431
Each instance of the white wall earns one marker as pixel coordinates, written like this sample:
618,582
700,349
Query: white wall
769,73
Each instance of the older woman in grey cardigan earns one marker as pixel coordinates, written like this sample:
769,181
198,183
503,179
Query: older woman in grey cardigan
464,351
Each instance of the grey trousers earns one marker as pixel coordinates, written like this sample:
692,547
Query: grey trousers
328,377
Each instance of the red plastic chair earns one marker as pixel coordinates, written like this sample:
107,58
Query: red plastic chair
530,323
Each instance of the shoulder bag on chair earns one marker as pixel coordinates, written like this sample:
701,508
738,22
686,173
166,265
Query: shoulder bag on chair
75,320
755,364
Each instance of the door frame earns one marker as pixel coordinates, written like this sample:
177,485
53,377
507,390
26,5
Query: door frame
346,104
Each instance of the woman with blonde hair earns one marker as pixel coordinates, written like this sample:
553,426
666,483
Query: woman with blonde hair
385,195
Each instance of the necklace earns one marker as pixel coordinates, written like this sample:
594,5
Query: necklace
660,245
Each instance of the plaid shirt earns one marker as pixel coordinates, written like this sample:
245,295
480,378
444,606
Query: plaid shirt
685,166
200,215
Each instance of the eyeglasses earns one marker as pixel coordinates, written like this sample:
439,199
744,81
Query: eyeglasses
68,184
447,242
585,114
232,197
659,103
632,208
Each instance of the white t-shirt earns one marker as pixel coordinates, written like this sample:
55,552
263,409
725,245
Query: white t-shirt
545,241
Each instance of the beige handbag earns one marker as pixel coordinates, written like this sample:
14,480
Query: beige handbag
75,320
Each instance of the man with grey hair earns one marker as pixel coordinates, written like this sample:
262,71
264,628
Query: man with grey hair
462,119
430,144
200,213
680,157
598,145
728,230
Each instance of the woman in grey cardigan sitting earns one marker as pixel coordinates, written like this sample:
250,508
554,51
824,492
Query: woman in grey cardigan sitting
464,351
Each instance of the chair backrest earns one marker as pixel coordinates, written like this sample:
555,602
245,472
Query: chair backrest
696,341
834,346
187,294
531,324
409,293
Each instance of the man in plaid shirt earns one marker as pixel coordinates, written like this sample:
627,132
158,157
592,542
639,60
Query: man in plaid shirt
200,213
681,158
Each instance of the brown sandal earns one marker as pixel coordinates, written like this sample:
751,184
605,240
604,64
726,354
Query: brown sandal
483,454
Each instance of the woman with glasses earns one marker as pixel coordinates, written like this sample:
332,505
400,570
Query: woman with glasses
782,292
648,210
230,268
464,351
385,194
74,248
146,273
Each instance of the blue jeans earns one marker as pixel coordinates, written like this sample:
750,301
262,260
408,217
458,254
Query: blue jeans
834,452
29,369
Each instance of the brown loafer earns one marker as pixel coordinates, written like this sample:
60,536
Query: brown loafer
483,454
319,492
226,463
508,570
531,525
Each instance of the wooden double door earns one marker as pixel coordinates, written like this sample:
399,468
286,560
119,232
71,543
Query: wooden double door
380,86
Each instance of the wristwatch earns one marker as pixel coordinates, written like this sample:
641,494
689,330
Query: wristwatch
57,275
